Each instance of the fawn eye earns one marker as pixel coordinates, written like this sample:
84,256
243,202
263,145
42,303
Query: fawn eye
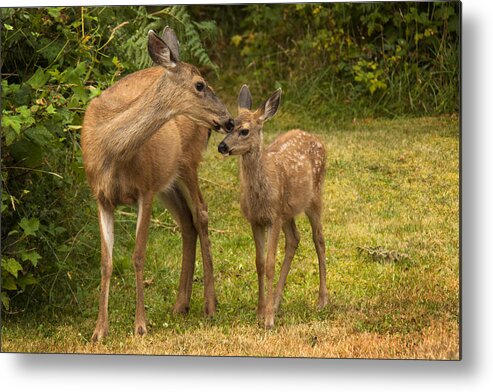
199,86
244,132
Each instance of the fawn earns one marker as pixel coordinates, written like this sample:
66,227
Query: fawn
277,183
137,141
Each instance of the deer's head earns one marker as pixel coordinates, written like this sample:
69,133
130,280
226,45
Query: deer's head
247,132
184,86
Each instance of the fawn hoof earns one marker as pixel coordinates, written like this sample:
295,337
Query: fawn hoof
322,303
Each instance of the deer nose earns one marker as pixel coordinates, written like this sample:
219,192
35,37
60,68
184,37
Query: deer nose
230,124
223,148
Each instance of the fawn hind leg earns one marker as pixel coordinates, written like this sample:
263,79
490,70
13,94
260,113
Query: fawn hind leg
292,240
314,216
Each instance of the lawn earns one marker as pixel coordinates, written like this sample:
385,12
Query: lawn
391,224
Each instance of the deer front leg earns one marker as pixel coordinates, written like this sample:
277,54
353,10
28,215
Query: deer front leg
143,220
105,217
270,263
259,237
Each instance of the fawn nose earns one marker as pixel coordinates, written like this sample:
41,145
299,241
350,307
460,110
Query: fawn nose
223,148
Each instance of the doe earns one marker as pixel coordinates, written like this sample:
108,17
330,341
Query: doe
137,141
277,183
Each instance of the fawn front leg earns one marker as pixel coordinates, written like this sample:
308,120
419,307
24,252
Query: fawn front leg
259,237
270,264
106,219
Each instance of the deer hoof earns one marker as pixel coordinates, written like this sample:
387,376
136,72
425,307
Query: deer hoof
210,309
140,330
181,309
269,322
98,334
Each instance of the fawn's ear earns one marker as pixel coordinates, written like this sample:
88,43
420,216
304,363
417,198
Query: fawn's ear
159,51
169,38
245,98
269,108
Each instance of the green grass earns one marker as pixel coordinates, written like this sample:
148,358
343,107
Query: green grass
391,185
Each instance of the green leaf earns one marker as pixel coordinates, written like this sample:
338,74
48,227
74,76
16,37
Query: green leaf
26,280
51,109
12,266
25,151
39,135
39,79
31,256
10,136
5,300
13,122
8,283
30,226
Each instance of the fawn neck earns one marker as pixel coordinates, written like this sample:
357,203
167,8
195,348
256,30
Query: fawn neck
255,186
251,166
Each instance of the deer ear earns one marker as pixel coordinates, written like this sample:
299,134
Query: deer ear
158,50
245,98
269,108
169,38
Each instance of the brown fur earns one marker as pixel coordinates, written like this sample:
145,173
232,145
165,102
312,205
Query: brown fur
278,183
145,136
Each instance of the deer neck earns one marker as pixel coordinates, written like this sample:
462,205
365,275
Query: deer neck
129,129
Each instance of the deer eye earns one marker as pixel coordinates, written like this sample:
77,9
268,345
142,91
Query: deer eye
244,132
199,86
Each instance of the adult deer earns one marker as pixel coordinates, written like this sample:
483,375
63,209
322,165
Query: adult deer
277,183
138,141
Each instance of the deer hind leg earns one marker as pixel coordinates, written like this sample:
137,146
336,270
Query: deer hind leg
138,257
270,263
259,237
292,240
198,207
105,217
314,216
175,202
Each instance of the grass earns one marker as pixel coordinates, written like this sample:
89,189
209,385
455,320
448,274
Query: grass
391,225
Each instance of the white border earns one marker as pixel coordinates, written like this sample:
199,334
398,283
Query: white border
122,373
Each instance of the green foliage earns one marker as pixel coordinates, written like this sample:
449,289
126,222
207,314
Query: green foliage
346,60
